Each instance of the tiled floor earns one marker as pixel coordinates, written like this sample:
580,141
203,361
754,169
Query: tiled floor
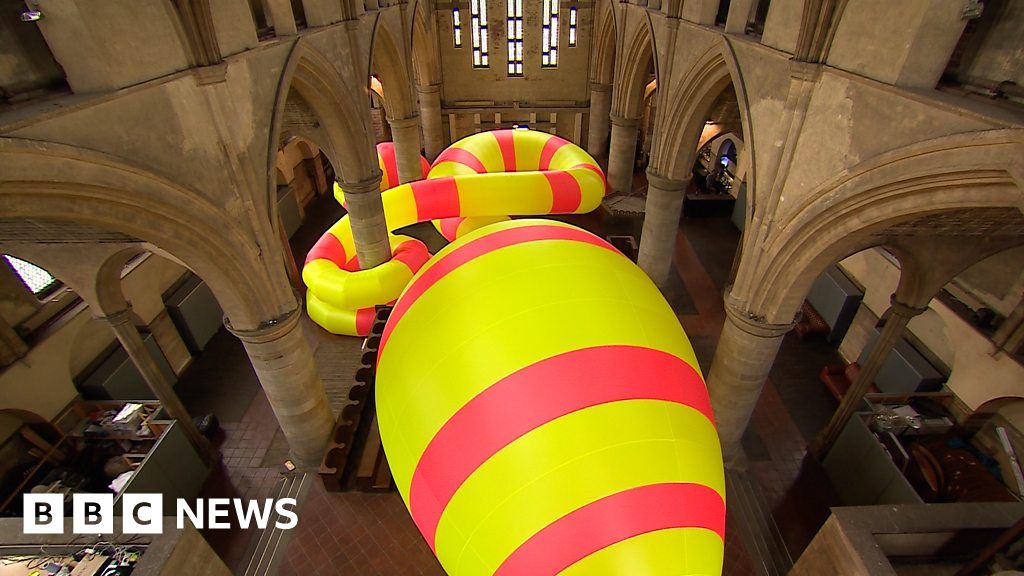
372,534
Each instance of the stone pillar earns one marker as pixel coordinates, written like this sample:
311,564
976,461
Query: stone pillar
284,364
366,213
661,223
405,133
281,17
600,108
900,316
622,153
746,351
169,340
128,335
430,118
739,15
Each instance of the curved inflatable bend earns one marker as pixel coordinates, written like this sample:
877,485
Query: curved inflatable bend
476,181
543,413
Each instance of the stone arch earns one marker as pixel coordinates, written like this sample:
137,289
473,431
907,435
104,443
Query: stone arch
423,41
388,62
876,201
602,62
311,87
54,182
634,57
685,108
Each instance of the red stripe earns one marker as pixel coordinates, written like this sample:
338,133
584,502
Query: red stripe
364,320
413,254
424,166
450,228
460,156
596,170
386,150
352,265
507,145
329,248
478,247
565,192
550,147
435,198
614,519
534,396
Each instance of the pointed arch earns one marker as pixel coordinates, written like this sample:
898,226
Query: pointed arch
388,62
633,62
47,181
881,198
310,84
602,62
423,41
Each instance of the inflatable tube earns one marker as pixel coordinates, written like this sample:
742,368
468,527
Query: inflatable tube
543,413
476,181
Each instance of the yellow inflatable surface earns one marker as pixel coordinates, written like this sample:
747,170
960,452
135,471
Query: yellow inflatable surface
543,413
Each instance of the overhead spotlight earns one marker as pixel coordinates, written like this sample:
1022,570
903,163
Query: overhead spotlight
31,15
709,122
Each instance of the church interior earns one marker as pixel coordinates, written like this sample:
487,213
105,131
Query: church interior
216,214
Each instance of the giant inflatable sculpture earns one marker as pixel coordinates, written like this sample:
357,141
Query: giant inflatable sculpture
541,409
476,181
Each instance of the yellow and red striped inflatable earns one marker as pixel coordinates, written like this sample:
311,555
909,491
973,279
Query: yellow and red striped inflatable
478,180
543,413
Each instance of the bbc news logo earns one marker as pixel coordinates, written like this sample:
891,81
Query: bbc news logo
143,513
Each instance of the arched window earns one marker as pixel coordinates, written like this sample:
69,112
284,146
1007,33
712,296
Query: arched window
39,281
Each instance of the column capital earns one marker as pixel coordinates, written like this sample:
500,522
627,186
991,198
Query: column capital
400,123
905,310
753,324
624,122
268,330
428,88
117,317
665,183
364,186
600,87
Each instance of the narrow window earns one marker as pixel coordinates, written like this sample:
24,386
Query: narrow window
457,27
549,34
478,27
572,26
514,19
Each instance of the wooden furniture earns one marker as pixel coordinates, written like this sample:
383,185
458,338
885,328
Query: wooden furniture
155,449
838,379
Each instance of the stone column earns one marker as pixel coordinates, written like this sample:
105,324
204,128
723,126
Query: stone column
622,153
739,15
169,340
746,351
430,118
900,316
281,17
661,223
128,335
600,108
405,133
284,364
366,213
